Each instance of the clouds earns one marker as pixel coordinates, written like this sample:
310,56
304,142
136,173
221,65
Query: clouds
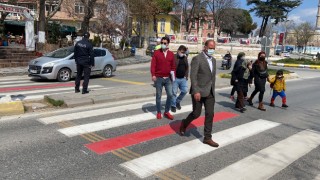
303,15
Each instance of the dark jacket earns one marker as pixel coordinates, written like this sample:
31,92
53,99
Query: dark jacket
176,58
202,79
260,69
83,52
238,73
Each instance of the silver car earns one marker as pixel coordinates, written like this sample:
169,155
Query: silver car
60,64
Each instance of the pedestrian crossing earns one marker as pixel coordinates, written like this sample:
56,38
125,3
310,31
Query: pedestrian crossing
261,164
25,89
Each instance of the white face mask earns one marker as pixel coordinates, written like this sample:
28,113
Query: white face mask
163,46
210,52
181,55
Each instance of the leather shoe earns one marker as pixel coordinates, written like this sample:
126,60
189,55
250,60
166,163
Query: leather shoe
77,90
85,92
210,142
182,130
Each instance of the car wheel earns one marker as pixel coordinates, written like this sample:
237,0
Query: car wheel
64,75
107,71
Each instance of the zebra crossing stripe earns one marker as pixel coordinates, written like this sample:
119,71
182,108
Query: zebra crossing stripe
118,122
148,165
271,160
131,139
94,113
45,90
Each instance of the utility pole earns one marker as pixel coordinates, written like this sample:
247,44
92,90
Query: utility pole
42,21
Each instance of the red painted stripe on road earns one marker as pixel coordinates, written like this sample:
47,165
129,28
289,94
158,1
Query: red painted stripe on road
24,88
131,139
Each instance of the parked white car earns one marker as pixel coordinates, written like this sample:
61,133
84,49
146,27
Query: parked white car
285,54
60,64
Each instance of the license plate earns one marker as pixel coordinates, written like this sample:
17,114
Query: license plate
33,71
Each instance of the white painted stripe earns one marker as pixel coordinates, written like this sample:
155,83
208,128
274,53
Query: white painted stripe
158,161
14,78
71,110
44,90
94,113
271,160
38,97
15,82
112,123
25,85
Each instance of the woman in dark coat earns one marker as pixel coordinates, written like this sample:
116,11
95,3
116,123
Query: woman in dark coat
260,74
241,76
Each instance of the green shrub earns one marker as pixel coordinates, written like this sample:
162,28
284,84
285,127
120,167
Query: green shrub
56,103
298,61
54,33
96,41
122,42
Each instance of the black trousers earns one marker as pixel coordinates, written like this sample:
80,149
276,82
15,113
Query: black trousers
196,112
85,70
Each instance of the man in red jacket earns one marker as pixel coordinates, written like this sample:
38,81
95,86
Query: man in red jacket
163,73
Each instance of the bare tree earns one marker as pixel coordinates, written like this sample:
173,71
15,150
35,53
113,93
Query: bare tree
219,10
303,34
51,12
111,16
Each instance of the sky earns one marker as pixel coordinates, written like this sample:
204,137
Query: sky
307,11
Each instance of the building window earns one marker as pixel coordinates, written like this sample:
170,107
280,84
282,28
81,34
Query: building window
51,7
172,27
162,25
79,8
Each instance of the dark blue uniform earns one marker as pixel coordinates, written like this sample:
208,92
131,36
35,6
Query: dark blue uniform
84,57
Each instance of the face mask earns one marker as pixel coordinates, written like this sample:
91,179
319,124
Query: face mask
262,58
181,55
163,46
243,58
210,52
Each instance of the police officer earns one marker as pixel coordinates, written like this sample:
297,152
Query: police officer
84,57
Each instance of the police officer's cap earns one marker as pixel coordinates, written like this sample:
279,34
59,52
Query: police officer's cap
86,35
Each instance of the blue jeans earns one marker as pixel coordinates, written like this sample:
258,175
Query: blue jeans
160,82
182,84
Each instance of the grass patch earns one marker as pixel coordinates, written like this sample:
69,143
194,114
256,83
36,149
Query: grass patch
299,61
56,103
225,75
270,71
274,71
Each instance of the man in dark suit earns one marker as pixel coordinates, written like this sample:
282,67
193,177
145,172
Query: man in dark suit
203,78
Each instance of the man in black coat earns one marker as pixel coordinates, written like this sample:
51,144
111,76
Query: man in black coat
84,57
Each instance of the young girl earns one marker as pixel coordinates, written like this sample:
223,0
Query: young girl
278,85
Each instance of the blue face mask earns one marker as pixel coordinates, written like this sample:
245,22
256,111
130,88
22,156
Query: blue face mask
210,52
163,46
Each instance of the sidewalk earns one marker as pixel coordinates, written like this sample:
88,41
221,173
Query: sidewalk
20,71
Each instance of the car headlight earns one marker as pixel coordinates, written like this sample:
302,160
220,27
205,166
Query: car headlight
50,64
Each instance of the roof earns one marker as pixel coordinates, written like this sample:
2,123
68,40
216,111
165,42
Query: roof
15,23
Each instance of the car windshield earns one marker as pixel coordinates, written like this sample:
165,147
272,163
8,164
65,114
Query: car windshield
60,53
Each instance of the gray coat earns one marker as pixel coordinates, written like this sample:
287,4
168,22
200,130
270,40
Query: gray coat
202,79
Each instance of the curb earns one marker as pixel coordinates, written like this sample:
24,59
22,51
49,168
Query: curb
11,108
295,65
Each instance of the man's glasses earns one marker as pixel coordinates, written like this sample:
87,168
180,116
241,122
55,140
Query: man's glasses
164,43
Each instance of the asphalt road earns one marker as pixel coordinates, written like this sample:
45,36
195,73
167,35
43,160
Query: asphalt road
45,145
